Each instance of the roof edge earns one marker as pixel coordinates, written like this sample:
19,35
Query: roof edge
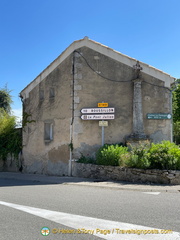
86,42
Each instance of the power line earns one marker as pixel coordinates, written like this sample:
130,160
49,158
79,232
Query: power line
113,80
109,79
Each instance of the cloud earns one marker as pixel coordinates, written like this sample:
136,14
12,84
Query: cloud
18,114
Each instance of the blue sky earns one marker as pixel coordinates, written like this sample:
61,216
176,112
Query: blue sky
33,33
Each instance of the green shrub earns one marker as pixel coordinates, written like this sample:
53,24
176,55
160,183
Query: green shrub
176,154
138,157
86,159
110,155
164,155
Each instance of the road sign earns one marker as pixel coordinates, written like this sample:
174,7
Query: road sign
102,104
97,110
98,117
159,116
103,123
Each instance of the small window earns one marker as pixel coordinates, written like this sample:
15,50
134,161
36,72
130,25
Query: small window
41,95
51,93
48,131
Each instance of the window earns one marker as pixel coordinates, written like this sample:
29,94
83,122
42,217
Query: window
51,93
48,131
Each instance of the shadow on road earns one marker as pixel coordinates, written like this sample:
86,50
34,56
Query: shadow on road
22,179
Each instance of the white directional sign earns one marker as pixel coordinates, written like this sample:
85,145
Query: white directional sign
98,117
97,110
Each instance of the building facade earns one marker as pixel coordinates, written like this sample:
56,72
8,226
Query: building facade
63,104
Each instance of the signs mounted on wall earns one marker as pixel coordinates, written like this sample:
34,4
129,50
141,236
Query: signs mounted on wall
98,117
158,116
97,110
103,104
100,113
103,123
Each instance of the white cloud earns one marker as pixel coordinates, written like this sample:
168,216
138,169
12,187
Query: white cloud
18,114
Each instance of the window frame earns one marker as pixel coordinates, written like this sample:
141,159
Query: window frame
48,131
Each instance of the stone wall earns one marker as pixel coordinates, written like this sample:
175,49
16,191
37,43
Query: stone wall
126,174
81,79
10,165
49,103
110,81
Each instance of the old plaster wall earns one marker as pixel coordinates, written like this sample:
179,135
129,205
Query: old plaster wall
49,102
94,89
84,79
156,100
99,78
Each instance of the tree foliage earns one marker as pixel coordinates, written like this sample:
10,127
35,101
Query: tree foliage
10,138
176,132
176,104
176,114
5,99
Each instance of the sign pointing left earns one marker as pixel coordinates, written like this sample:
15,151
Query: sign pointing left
98,117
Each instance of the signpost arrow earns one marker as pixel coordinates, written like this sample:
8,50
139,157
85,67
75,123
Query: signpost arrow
103,112
98,117
97,110
159,116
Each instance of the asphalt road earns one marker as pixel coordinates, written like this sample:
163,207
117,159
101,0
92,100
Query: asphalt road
158,210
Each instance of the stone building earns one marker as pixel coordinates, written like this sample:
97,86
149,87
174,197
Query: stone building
136,96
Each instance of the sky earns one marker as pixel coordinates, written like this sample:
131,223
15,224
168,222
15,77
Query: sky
35,32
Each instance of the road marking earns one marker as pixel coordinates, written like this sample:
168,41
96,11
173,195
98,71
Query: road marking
153,193
89,223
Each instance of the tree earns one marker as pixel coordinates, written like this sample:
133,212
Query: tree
176,132
10,137
176,104
5,99
176,114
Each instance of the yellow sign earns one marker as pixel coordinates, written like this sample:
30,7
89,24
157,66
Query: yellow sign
102,104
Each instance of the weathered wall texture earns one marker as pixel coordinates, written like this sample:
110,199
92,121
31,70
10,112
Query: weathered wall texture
126,174
96,89
40,155
82,79
111,81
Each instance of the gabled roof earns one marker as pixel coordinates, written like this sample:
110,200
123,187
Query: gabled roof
86,42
